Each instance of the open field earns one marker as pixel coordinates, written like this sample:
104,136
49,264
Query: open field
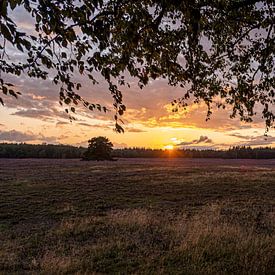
169,216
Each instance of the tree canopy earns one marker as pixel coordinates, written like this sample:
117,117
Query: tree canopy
100,148
220,52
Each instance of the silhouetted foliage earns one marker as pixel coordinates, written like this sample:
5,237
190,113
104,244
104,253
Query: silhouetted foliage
22,150
234,152
100,148
64,151
219,52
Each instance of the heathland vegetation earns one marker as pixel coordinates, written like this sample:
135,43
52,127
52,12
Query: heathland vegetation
137,216
22,150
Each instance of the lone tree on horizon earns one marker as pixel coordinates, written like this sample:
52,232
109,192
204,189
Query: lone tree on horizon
100,148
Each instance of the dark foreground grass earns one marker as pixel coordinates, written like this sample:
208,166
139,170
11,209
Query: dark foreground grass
137,216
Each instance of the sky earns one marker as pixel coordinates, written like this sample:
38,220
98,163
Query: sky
37,117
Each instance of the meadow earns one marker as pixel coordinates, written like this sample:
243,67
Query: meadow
141,216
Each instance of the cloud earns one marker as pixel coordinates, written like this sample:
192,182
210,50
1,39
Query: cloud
202,147
17,136
84,124
204,139
160,114
149,107
134,130
61,123
82,144
42,114
146,109
239,135
119,145
201,139
260,140
103,125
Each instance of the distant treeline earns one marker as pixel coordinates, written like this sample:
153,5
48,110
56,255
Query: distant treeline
22,150
233,152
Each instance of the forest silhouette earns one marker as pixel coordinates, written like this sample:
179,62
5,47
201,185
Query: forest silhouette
23,150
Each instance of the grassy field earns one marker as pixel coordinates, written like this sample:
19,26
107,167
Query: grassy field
157,216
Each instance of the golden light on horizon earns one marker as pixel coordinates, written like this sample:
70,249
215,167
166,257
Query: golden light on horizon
168,147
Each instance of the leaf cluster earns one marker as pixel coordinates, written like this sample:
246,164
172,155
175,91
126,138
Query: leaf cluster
222,50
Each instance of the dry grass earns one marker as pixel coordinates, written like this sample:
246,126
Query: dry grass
171,222
143,241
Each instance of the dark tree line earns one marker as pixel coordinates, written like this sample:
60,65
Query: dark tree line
234,152
22,150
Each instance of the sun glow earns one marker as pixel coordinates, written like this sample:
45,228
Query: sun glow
168,147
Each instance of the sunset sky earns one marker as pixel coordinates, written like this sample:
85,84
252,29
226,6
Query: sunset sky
37,117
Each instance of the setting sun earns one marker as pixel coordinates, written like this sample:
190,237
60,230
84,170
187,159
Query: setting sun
168,147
